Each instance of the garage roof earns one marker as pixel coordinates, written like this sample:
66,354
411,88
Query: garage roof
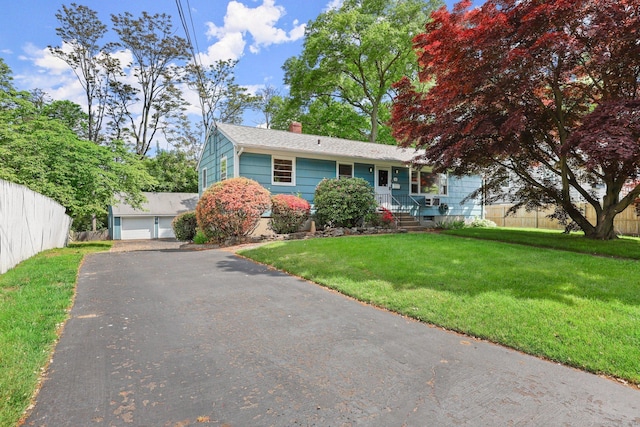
159,204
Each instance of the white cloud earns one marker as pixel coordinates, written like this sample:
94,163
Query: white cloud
333,5
229,46
253,89
298,30
125,57
52,75
42,58
259,22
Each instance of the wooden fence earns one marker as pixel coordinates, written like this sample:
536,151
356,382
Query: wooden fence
29,223
626,222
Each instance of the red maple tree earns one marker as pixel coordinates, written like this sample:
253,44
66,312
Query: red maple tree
545,94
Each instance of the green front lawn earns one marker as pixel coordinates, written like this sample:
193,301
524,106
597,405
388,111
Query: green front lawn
35,297
569,307
624,247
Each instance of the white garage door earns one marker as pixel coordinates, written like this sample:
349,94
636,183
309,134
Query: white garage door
137,228
165,231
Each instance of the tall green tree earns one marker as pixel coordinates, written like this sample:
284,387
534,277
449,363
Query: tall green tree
323,116
354,54
44,154
70,114
155,50
221,98
81,31
173,171
6,79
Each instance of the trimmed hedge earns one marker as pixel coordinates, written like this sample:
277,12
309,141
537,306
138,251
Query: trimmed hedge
184,226
343,202
288,213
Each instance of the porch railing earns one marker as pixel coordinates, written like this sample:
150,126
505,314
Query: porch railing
399,203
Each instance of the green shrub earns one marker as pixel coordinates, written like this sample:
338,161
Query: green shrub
184,226
231,208
481,223
373,220
200,238
288,213
343,202
453,224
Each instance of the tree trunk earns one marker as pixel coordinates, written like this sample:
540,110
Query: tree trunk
604,229
611,207
374,124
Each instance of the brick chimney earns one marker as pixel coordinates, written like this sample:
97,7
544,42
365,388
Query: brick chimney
295,127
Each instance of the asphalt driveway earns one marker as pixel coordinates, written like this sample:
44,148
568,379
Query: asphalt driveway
189,338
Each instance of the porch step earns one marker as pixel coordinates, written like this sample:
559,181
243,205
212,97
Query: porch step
408,222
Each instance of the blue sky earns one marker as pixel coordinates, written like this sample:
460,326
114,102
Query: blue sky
261,34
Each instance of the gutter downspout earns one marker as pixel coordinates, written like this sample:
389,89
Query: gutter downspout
236,162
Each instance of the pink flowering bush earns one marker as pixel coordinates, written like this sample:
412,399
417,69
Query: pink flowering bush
386,217
288,213
231,208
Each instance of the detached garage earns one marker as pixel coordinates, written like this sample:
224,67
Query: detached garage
153,220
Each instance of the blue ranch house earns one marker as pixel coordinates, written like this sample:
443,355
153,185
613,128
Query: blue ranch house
290,162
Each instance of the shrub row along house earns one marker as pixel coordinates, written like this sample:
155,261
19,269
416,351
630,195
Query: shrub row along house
294,163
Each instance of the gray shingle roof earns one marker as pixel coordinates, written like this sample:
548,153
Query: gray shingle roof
270,139
160,204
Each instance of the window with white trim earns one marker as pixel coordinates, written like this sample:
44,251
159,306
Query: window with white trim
283,171
345,170
423,182
204,178
223,168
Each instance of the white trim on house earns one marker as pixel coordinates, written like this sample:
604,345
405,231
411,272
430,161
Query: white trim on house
289,153
350,164
420,192
283,171
236,160
204,178
383,193
224,170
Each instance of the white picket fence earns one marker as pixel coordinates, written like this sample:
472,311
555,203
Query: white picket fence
29,223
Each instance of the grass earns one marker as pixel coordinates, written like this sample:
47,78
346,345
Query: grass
35,297
625,247
574,308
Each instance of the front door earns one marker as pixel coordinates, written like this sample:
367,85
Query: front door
383,187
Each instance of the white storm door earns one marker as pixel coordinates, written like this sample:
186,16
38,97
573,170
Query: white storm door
383,187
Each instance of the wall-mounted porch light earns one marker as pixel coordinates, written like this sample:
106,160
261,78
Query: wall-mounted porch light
370,170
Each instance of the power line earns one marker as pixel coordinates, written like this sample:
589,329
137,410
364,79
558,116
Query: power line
185,26
199,69
195,38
